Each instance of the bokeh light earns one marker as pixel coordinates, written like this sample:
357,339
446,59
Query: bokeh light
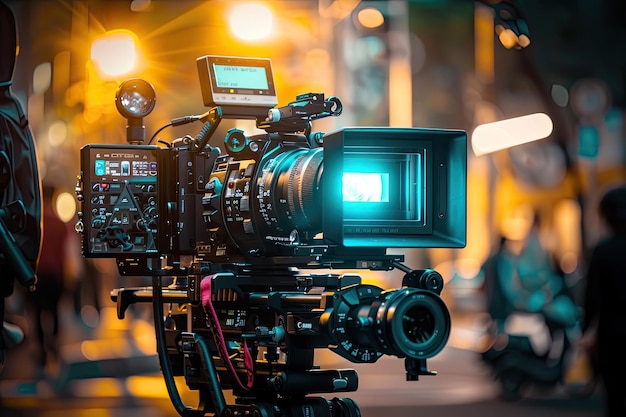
504,134
115,53
251,21
370,18
66,206
57,133
42,78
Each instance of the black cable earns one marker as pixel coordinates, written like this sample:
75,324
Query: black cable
159,131
166,366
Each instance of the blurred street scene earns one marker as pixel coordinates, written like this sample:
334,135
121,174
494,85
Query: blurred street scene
516,288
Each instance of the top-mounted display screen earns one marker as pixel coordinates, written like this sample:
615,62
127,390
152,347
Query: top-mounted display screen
236,81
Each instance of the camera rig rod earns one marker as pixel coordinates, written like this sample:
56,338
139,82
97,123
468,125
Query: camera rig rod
298,114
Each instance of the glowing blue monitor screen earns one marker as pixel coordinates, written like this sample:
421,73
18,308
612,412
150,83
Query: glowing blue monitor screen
384,187
365,187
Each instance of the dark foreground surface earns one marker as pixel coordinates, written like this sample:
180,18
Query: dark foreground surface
110,370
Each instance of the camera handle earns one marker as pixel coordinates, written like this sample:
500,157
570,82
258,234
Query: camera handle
294,117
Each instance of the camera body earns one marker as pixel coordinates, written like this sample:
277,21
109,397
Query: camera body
285,197
267,201
234,228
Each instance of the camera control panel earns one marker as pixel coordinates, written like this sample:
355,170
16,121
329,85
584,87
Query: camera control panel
119,200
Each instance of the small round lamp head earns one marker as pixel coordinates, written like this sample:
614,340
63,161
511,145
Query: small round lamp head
135,98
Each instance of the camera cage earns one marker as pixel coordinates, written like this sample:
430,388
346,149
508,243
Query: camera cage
250,320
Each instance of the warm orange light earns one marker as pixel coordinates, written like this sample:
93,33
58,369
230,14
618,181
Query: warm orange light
97,388
483,41
57,133
95,350
115,53
251,21
370,18
523,41
146,387
508,38
66,206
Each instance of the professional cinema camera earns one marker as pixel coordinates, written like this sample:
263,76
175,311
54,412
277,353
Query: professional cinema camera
231,231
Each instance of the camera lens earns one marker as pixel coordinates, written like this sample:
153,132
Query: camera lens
412,322
290,183
418,325
368,322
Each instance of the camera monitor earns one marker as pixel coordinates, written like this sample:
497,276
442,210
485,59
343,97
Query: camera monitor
236,82
398,187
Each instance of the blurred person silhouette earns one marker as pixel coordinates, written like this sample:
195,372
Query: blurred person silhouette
533,317
521,276
53,271
604,325
20,189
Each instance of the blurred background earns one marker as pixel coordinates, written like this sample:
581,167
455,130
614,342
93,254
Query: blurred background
422,63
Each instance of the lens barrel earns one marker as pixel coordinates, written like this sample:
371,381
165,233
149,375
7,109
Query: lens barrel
367,322
410,322
289,197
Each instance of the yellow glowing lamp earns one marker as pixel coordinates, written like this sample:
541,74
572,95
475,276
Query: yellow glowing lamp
504,134
509,39
65,206
370,18
115,53
251,21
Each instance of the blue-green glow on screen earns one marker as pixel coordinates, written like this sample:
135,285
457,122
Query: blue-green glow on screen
234,76
366,187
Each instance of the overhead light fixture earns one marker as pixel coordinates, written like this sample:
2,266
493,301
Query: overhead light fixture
505,134
510,24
